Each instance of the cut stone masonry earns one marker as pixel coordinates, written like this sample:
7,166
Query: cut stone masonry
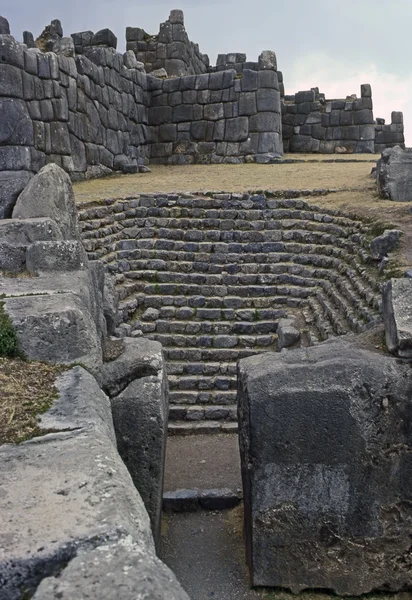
76,102
211,277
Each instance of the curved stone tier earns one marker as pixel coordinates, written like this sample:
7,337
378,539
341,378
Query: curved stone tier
218,273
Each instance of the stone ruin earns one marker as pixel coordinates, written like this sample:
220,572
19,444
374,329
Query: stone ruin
76,102
223,281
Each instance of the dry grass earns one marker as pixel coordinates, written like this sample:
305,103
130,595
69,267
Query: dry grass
233,178
356,196
26,390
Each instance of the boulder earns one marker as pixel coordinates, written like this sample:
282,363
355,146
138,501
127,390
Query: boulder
75,473
325,443
397,316
382,244
50,194
394,174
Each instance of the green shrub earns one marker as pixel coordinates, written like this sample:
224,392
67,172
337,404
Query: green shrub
8,341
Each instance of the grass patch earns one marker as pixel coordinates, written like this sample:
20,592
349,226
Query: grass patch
26,391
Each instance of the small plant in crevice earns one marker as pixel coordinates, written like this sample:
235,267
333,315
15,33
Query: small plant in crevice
9,345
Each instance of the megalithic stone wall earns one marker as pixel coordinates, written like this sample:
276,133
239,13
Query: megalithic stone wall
391,135
171,49
215,118
310,123
88,114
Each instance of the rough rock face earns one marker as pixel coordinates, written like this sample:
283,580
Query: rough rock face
325,439
73,524
50,194
394,174
397,316
137,385
382,244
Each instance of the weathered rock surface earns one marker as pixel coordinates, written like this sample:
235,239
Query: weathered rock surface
73,525
382,244
50,194
326,454
141,358
288,334
140,416
11,185
394,174
65,255
55,328
397,316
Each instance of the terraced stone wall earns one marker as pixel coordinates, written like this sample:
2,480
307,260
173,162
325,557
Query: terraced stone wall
216,117
171,49
210,278
87,114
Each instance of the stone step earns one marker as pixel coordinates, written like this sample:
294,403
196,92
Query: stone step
229,309
202,397
224,302
240,222
209,208
216,342
317,321
194,278
213,355
338,322
200,327
208,290
201,368
201,427
202,382
188,412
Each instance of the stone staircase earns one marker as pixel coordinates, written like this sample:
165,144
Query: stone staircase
210,278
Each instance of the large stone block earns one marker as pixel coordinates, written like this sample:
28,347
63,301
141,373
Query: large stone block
68,332
50,194
237,130
104,37
325,441
76,472
397,316
23,232
265,122
64,255
394,174
11,185
11,52
4,26
140,416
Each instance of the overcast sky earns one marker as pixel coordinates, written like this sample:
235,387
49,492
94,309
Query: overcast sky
334,45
